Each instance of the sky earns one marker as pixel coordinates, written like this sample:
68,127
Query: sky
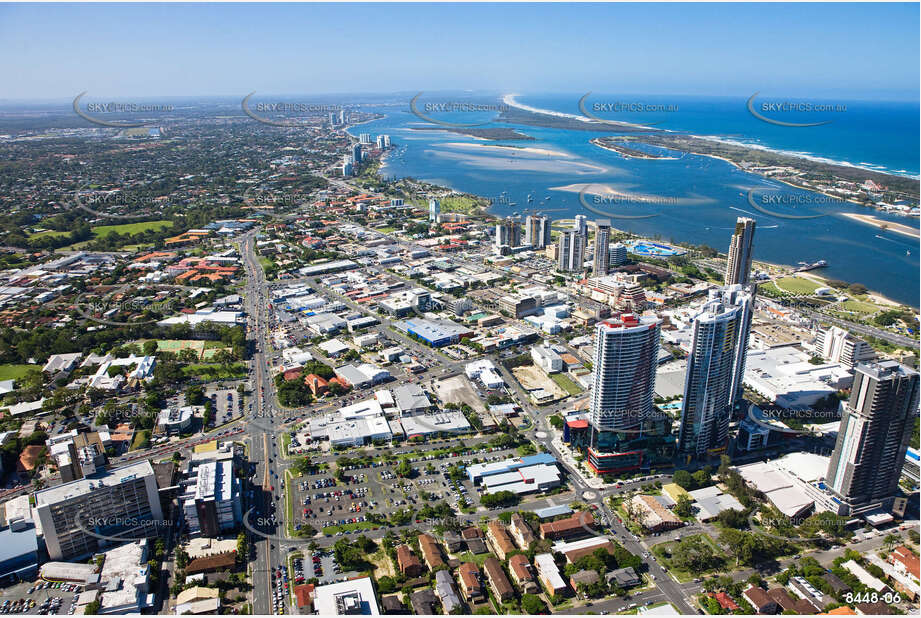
863,51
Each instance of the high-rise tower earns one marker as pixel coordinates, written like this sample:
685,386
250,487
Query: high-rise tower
738,268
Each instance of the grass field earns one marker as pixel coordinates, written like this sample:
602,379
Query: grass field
141,440
100,231
14,372
565,382
797,285
859,306
214,371
125,229
48,234
458,203
362,525
683,576
138,247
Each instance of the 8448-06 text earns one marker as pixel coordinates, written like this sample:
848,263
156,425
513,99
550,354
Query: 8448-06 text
890,598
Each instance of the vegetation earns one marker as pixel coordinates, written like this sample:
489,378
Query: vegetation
499,499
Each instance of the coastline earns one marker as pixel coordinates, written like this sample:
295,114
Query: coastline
645,157
509,99
898,228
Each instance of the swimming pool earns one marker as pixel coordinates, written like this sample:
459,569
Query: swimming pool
645,247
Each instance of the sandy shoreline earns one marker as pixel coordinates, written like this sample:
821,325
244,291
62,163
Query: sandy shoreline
898,228
509,99
644,157
510,149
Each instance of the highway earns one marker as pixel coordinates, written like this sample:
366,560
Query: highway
263,448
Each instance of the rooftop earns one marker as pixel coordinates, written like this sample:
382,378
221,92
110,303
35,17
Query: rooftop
67,491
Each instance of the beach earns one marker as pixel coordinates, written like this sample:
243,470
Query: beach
898,228
543,152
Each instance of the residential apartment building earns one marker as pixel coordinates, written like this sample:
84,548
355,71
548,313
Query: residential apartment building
75,517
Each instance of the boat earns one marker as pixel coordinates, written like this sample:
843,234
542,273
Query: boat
803,266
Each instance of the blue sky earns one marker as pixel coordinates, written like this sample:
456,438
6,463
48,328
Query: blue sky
867,51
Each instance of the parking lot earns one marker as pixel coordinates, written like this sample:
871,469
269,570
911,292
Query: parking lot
320,564
227,403
369,493
39,597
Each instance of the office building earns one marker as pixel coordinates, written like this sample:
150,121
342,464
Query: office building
715,369
876,426
347,166
356,154
602,261
537,231
434,210
212,502
836,345
739,265
620,409
74,516
571,251
508,233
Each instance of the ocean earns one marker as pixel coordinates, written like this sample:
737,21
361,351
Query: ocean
682,197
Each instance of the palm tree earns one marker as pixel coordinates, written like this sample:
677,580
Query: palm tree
890,540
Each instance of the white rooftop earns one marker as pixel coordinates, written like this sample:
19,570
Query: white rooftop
66,491
361,590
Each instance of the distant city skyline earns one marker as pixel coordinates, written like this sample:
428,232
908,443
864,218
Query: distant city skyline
53,52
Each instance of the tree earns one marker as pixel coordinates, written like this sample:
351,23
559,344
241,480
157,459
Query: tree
732,518
683,507
701,478
890,540
532,604
386,584
150,347
242,548
683,479
694,554
499,499
404,469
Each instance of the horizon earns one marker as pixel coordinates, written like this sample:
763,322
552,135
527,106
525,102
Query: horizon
68,100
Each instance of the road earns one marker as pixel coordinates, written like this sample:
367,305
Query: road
263,448
863,329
